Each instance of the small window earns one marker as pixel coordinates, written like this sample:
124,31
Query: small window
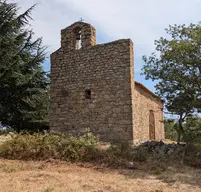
88,94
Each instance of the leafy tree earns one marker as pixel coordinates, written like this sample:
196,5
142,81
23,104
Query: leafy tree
192,127
23,82
176,66
170,131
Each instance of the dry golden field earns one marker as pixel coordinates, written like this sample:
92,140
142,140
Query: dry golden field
56,176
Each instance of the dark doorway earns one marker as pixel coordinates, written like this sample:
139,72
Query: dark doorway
151,125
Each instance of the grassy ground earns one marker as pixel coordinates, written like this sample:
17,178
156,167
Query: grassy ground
57,176
153,175
4,138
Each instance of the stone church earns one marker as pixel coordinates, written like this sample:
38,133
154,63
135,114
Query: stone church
93,87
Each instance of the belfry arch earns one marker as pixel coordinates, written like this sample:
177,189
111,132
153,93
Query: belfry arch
79,35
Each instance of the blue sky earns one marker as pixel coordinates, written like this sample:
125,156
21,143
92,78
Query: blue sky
141,20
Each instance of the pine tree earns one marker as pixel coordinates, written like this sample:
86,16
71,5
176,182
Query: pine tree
23,82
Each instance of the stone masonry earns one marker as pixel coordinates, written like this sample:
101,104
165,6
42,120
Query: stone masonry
92,86
144,102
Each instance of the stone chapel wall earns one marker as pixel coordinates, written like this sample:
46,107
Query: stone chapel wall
92,87
143,103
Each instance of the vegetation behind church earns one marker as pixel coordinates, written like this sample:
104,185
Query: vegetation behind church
176,65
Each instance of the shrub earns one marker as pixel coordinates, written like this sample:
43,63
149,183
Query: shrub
121,149
86,148
6,131
44,146
125,150
140,154
193,155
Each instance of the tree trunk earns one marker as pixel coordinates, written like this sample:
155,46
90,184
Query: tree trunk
181,130
178,136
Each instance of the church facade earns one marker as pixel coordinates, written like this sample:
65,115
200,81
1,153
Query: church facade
93,87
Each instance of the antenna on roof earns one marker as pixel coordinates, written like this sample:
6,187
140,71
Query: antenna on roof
81,19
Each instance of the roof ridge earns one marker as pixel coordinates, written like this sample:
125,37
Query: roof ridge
148,91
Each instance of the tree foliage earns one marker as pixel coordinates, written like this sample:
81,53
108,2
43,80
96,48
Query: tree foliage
170,129
192,127
23,82
176,66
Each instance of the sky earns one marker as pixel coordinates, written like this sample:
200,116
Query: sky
143,21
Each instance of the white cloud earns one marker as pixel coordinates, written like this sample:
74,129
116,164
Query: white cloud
141,20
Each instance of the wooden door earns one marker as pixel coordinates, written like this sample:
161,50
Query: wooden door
151,125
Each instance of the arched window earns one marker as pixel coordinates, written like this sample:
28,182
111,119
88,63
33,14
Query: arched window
78,38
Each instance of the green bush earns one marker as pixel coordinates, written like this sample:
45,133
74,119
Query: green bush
125,150
6,131
84,148
44,146
140,154
193,155
121,149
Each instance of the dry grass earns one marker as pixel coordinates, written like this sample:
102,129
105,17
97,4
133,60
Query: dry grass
21,176
57,176
4,138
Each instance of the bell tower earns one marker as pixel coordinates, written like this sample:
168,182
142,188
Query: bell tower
79,35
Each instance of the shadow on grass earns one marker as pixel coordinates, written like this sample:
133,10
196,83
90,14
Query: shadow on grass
170,174
168,169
